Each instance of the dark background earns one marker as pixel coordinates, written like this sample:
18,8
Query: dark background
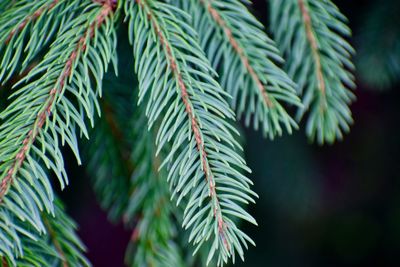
334,205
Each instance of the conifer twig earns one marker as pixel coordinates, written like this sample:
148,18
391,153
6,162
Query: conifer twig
239,50
194,123
48,104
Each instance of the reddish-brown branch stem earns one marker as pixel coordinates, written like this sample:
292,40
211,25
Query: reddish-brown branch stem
314,45
4,262
239,50
194,123
30,18
48,105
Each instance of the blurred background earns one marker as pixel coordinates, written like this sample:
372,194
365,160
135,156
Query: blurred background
335,205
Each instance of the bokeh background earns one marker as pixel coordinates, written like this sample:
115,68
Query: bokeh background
335,205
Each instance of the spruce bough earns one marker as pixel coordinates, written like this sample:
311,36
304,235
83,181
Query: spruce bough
161,142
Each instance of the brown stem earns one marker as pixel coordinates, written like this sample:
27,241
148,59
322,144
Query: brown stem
4,262
48,104
239,50
194,123
314,46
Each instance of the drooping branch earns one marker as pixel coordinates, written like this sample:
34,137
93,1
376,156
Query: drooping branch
47,106
314,41
173,64
247,61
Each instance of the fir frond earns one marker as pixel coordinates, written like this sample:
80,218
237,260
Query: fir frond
128,183
247,61
26,27
47,110
153,241
203,165
312,35
59,246
107,153
61,234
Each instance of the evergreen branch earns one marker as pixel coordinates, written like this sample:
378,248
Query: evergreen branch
107,153
140,195
45,7
246,58
36,251
46,107
42,113
153,238
60,247
176,77
188,108
215,14
61,235
55,242
318,59
39,20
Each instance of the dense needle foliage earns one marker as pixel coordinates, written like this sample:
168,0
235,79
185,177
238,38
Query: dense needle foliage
161,142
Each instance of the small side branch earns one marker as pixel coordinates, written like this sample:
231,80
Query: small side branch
194,123
41,118
239,50
30,18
